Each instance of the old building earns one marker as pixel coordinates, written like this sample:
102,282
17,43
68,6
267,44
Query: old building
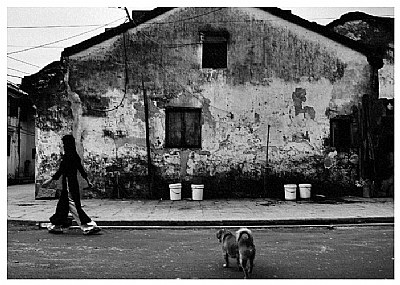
242,100
20,136
377,32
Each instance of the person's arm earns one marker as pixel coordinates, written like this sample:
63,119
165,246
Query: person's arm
83,173
56,175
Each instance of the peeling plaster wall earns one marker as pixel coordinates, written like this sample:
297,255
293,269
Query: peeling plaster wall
386,80
278,74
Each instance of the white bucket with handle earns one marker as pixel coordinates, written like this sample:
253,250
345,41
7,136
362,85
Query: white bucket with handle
197,192
175,191
290,191
305,191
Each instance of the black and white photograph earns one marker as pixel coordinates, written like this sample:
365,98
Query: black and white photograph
200,140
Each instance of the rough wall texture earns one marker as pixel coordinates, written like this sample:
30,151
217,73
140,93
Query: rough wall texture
377,32
278,75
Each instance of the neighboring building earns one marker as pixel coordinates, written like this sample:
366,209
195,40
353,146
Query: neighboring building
20,136
242,100
377,32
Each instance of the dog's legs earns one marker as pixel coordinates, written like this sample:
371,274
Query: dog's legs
251,265
226,260
238,264
243,264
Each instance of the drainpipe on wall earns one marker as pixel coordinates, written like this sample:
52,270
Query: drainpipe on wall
19,141
146,118
367,162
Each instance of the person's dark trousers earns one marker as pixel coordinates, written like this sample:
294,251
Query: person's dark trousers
61,215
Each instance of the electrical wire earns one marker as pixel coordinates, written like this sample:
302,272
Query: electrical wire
53,26
17,70
162,67
68,38
59,47
125,85
14,76
10,57
126,65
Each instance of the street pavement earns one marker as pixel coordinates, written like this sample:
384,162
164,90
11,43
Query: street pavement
23,208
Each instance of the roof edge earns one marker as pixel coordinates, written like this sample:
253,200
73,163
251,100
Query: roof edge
283,14
322,30
113,32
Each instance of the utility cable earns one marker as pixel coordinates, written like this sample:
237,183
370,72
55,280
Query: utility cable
14,76
17,70
53,26
23,61
59,47
125,85
68,38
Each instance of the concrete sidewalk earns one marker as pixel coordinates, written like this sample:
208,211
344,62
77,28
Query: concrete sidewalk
22,207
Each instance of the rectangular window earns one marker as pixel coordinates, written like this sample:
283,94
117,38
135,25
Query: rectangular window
12,107
183,127
342,134
215,50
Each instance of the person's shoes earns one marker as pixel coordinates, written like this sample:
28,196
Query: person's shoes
53,229
68,223
92,231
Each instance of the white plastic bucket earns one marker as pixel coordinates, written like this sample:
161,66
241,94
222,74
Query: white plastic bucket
197,192
305,191
290,191
175,191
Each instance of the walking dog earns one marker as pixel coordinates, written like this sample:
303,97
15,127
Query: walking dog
229,246
240,247
247,250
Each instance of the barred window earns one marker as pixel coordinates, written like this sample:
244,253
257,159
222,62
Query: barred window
215,50
183,127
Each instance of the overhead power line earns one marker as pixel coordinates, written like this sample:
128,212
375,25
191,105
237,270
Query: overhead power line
59,47
14,76
17,70
46,44
10,57
53,26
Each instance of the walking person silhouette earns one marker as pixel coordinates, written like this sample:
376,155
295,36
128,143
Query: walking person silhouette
70,196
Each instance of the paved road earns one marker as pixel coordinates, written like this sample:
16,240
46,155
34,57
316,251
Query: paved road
282,253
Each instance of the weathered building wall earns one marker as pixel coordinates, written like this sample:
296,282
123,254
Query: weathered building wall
20,137
377,32
386,79
278,74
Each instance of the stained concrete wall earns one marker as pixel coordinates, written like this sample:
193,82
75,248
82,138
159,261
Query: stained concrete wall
386,80
20,162
278,74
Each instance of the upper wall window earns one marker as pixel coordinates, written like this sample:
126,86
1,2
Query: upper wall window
215,50
183,127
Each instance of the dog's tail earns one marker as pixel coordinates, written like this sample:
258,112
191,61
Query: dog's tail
244,234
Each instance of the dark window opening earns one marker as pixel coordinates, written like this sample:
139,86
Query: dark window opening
183,127
33,153
8,145
215,51
12,107
23,115
342,133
